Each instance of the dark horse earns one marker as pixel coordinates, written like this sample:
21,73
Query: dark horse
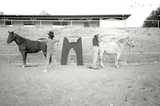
27,45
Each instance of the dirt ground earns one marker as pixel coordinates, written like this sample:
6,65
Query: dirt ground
71,85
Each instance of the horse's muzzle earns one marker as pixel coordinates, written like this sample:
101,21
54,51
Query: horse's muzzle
8,42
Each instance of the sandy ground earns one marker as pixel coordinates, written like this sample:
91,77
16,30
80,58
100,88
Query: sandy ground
71,85
135,85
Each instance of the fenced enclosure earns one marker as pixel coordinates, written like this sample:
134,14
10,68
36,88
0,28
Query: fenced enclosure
152,23
146,50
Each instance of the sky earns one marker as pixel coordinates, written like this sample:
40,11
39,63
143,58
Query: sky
139,9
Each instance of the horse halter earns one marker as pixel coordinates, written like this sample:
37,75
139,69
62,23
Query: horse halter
129,42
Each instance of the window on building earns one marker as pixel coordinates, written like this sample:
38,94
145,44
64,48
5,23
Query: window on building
29,23
86,24
56,23
8,23
64,23
60,23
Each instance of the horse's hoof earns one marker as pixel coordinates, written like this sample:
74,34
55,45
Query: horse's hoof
23,66
102,65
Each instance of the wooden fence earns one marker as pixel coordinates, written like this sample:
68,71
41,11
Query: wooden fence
154,21
128,52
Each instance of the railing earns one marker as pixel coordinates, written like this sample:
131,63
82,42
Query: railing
128,52
156,21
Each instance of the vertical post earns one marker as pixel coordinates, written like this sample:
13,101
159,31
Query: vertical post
11,22
71,23
124,22
158,23
40,23
89,21
4,22
61,21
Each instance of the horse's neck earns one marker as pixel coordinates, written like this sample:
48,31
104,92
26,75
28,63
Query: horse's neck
19,40
123,41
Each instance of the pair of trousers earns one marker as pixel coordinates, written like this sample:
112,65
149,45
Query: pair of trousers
77,46
95,56
49,58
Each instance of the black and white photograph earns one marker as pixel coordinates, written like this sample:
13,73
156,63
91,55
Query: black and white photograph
80,53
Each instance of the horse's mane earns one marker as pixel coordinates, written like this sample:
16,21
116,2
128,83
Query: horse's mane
16,35
122,40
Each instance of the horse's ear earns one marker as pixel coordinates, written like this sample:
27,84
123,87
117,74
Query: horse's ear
11,32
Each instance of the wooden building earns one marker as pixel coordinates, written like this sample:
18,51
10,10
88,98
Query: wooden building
110,20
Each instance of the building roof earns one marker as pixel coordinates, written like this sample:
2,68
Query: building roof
65,17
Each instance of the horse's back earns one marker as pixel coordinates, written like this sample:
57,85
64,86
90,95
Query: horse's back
110,48
42,40
34,46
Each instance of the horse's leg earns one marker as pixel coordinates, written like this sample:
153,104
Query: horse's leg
45,54
117,60
24,55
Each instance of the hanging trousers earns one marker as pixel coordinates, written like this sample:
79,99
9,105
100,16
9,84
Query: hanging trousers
77,46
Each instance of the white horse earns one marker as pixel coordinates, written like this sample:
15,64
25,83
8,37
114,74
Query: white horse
113,47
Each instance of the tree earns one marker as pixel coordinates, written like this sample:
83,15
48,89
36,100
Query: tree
154,15
44,13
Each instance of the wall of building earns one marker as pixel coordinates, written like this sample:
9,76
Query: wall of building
77,24
83,24
112,23
94,24
17,23
50,24
1,23
37,23
47,24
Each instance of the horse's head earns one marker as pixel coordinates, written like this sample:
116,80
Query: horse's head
11,37
129,42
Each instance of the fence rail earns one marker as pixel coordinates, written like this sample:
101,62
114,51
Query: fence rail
90,53
129,53
8,53
158,22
